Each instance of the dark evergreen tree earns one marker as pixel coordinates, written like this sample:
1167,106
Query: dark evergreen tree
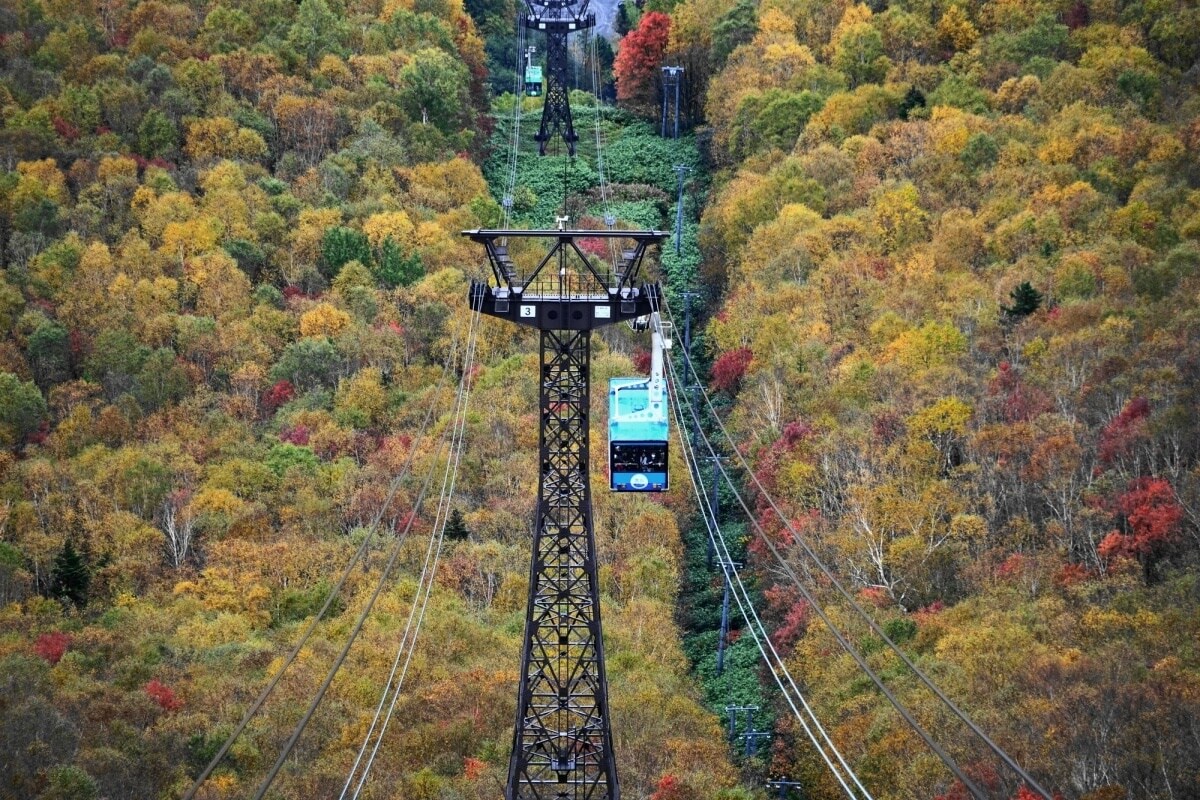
22,409
914,98
623,24
456,528
249,256
70,578
1026,300
341,246
395,268
737,26
49,354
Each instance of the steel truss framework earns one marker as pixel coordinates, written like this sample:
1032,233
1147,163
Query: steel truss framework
562,741
558,20
562,745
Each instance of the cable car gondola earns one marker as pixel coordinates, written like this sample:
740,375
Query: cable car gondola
533,80
637,426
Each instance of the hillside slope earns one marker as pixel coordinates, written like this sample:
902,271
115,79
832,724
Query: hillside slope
955,253
232,278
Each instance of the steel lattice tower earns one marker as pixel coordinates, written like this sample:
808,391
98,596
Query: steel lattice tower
558,19
563,725
562,740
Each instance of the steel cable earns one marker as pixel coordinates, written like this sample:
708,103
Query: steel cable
754,624
901,709
334,592
333,670
439,529
841,589
515,131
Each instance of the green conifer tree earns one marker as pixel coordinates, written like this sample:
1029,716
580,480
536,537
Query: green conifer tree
1026,300
395,268
456,527
70,578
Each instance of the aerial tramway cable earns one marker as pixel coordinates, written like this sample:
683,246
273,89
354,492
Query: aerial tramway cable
754,623
510,185
428,573
610,220
756,628
267,690
945,757
790,572
298,730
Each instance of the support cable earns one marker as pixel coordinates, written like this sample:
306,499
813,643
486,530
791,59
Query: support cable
754,624
333,592
333,670
428,574
945,757
610,219
841,589
598,90
514,150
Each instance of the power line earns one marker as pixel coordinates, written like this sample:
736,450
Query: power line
754,623
443,513
334,592
995,748
395,552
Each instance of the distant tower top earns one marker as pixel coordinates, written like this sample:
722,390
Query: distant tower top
558,20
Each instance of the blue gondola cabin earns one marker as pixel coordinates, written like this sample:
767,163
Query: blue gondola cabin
533,80
637,436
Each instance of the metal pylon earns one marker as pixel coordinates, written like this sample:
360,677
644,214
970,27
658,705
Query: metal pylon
562,741
562,745
558,19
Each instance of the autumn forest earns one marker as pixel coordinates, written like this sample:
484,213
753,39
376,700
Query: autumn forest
941,261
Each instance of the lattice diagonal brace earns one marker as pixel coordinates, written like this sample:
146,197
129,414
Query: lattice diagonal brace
562,744
556,110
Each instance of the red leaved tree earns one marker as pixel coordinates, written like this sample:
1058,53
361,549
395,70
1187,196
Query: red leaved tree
1016,401
1120,437
1152,514
473,768
277,395
671,788
163,695
642,360
52,646
730,366
640,58
298,435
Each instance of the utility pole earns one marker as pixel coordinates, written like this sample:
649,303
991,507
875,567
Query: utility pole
562,740
752,738
733,712
558,19
726,567
688,294
783,785
671,77
715,503
680,170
